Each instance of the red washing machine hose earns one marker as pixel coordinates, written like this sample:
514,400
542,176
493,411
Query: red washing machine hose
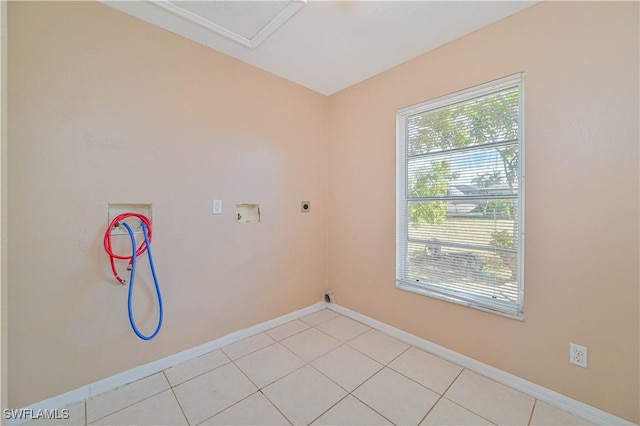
107,241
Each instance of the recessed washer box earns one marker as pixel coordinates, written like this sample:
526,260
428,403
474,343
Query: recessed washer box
116,209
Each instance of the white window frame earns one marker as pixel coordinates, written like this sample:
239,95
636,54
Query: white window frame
402,214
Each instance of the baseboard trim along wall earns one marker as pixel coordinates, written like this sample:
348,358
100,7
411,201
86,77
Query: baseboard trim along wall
141,371
578,408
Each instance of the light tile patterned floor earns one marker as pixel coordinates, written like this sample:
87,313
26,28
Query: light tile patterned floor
323,369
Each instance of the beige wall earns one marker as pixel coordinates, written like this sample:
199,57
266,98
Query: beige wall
581,265
104,108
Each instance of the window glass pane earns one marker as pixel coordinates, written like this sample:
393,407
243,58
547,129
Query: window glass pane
479,273
474,222
473,172
459,195
487,119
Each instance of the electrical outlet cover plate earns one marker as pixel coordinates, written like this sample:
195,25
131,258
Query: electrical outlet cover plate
217,206
578,355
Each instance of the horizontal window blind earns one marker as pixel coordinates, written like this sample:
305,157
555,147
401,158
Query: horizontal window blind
459,205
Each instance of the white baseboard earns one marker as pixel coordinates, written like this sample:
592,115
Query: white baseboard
578,408
88,391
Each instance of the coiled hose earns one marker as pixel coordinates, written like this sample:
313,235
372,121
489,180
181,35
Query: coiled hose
145,223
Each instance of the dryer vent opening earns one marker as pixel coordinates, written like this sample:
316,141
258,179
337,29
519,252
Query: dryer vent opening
328,297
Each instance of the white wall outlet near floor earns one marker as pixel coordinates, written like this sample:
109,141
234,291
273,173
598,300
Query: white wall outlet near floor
578,355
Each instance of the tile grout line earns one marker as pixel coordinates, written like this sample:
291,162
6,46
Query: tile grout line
84,401
366,380
325,411
308,327
398,356
289,373
248,353
86,421
329,378
344,316
130,405
319,356
535,402
370,407
558,401
279,378
349,393
460,405
387,365
199,374
368,356
259,389
335,338
226,408
306,363
173,392
276,407
309,363
321,322
245,374
464,408
440,395
286,337
423,385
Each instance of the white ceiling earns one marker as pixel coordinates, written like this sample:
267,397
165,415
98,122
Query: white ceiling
326,46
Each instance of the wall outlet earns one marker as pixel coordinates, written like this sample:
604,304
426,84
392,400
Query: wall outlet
578,355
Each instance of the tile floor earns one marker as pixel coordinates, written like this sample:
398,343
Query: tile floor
323,369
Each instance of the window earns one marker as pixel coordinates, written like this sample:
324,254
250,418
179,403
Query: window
460,197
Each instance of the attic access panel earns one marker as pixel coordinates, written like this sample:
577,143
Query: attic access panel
246,22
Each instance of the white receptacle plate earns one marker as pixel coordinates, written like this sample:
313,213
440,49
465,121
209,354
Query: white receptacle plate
119,208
